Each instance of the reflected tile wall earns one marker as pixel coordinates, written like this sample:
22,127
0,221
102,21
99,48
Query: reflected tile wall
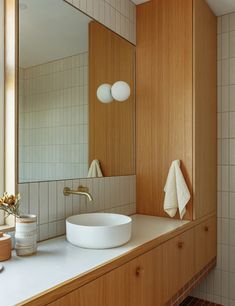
54,120
46,200
118,15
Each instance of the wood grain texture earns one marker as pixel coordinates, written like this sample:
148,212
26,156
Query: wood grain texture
88,295
205,104
205,243
111,126
178,263
176,102
164,99
148,270
137,283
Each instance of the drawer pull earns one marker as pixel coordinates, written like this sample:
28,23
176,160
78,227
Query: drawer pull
206,228
180,244
139,271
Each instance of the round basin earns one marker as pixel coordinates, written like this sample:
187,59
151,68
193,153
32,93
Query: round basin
98,230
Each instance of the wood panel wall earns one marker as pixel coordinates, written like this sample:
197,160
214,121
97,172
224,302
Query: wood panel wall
205,105
111,126
176,102
164,99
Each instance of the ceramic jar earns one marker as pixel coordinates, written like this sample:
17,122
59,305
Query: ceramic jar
5,246
26,235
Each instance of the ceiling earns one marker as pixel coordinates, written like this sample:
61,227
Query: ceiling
139,1
219,7
50,30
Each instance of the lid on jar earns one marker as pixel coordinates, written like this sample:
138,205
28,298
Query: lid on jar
4,237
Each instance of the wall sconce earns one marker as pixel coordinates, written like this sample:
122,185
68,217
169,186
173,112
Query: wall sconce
120,91
104,93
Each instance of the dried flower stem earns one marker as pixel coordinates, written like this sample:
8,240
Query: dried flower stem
10,204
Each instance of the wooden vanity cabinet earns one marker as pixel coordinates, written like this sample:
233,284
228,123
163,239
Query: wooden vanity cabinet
153,278
205,243
178,263
136,283
89,295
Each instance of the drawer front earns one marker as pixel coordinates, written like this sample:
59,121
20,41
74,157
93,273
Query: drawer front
178,263
88,295
137,283
205,243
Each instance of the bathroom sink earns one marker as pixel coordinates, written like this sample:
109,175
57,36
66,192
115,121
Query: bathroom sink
98,230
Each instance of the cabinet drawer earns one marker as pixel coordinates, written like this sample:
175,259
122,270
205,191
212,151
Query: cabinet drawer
88,295
178,263
137,283
205,243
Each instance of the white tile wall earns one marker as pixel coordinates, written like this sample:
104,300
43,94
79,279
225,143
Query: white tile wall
46,199
53,133
219,287
118,15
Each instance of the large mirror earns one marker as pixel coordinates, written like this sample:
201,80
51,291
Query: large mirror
65,131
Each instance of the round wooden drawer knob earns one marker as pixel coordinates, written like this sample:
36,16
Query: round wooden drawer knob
139,271
180,244
206,228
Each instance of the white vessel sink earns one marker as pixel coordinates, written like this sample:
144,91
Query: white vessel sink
98,230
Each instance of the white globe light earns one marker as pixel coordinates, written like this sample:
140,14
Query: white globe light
121,91
104,93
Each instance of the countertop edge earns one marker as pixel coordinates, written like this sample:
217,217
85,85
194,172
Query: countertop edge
72,284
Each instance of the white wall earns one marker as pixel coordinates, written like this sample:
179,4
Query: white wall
54,120
219,287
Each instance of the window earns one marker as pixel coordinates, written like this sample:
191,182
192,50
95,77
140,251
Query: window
8,96
1,103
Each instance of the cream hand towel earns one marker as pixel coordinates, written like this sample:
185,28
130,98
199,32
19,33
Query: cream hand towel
94,170
177,194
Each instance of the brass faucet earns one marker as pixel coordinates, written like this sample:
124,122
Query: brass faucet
80,191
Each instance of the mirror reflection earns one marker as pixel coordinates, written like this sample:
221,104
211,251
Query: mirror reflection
65,130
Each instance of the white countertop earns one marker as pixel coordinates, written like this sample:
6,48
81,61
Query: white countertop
58,261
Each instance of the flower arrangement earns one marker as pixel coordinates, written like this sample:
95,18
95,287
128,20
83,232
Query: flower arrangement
10,204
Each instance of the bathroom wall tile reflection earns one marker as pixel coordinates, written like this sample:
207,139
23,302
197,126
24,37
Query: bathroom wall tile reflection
46,200
54,120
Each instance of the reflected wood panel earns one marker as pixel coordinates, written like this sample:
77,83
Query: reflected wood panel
111,126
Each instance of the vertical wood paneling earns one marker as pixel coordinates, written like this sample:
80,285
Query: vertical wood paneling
164,99
204,96
178,263
111,126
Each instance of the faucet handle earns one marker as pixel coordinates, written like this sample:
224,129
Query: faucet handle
82,188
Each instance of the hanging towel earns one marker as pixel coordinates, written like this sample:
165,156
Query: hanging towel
95,170
177,194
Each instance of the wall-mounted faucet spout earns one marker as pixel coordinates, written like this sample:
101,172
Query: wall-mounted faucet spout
80,191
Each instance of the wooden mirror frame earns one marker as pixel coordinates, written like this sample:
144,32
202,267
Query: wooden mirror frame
9,136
